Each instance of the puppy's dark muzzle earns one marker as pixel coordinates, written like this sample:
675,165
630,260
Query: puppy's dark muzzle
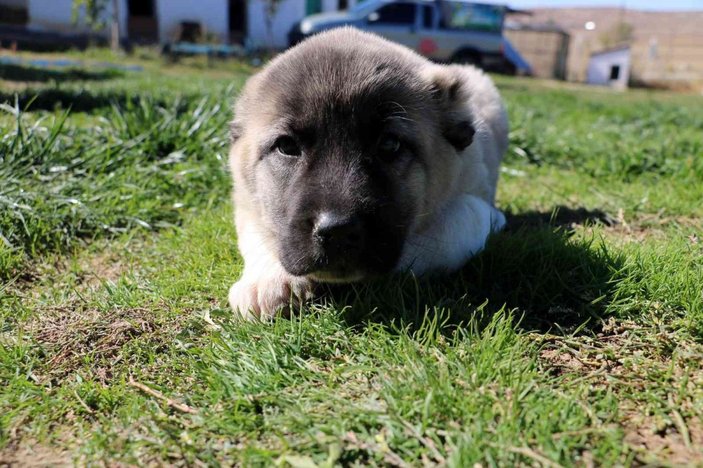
339,246
339,239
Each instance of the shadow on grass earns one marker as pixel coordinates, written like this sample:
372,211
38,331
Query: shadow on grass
79,100
12,72
561,217
535,267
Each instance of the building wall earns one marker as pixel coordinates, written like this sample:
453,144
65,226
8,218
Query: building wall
672,60
600,65
57,15
668,59
667,47
51,15
545,51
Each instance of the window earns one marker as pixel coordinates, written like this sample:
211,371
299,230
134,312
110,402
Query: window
469,16
427,17
343,4
615,72
395,13
313,6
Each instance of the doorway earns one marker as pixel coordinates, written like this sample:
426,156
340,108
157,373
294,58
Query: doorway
142,26
237,21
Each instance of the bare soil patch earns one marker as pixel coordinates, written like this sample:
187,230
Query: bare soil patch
77,338
26,454
683,448
624,358
102,267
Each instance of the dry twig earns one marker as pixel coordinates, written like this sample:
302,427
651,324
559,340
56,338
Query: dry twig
182,407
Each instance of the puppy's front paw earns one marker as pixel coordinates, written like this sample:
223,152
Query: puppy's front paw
263,297
243,299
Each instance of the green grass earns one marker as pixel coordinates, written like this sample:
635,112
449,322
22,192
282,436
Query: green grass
576,337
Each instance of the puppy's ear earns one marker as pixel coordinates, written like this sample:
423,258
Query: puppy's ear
235,130
448,91
459,132
239,109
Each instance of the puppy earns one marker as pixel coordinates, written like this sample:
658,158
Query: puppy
354,157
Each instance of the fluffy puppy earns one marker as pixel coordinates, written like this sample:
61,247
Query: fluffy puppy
354,157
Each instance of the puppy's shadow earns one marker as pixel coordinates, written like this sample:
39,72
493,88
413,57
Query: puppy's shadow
536,267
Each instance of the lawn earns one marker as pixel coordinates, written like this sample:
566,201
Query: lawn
575,338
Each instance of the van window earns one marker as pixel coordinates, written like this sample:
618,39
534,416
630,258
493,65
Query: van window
394,13
461,15
427,17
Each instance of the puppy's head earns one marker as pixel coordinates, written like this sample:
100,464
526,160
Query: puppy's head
343,146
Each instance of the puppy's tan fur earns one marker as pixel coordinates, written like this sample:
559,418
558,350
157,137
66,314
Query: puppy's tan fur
452,194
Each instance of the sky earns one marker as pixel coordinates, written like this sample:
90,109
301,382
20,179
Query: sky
633,4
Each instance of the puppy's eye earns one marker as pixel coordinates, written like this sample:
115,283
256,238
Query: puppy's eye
287,146
389,145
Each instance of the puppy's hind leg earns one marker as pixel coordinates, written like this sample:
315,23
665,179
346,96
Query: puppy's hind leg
459,233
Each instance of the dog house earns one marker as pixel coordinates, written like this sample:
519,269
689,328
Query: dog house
610,67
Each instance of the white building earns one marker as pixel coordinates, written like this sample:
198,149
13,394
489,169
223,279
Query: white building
160,20
610,67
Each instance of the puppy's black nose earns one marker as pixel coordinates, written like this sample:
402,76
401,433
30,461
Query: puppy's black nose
338,234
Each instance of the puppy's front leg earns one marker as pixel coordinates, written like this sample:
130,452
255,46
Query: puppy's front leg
265,287
459,233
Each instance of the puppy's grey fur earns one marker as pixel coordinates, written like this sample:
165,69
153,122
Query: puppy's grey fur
353,157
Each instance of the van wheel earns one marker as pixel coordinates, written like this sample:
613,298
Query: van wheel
467,57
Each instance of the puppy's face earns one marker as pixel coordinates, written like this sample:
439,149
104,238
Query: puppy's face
342,153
